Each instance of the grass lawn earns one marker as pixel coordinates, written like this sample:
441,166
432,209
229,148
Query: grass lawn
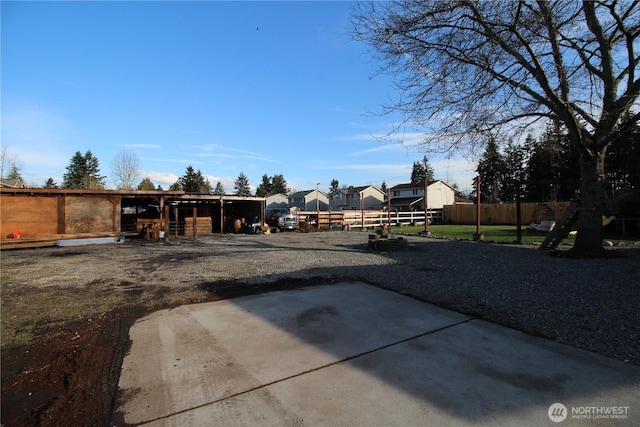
496,233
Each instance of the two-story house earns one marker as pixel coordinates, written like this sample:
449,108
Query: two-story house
309,200
277,201
410,197
354,198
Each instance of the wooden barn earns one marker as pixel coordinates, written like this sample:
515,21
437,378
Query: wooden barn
40,216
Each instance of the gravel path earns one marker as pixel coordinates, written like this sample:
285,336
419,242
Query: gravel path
587,303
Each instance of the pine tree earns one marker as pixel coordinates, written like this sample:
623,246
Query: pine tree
334,185
272,185
219,190
92,178
421,172
14,173
551,158
76,170
515,157
623,159
241,185
192,182
83,172
279,184
265,188
50,183
491,170
146,184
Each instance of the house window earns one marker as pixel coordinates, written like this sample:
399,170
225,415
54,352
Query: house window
415,191
395,194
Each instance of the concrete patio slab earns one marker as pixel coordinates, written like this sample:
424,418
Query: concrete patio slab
354,354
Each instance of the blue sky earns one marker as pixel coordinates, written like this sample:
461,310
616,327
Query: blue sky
226,87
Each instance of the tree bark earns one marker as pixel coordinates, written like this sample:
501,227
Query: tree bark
592,205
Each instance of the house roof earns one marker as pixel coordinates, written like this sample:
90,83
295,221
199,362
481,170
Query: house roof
12,183
304,193
356,190
405,201
179,196
411,186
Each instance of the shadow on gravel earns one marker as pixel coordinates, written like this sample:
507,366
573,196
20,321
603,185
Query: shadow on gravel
587,303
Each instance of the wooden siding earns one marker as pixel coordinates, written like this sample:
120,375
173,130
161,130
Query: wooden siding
31,216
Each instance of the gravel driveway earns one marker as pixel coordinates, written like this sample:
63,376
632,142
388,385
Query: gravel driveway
587,303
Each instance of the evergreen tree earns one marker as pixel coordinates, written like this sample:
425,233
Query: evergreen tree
421,172
83,172
515,157
192,182
76,170
334,185
265,188
241,185
623,159
14,173
146,184
219,190
491,170
383,188
279,184
50,183
272,185
552,158
92,178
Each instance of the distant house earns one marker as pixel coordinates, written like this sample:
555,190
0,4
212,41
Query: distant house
277,201
410,197
12,183
309,200
354,198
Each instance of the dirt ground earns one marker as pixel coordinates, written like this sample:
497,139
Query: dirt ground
66,313
68,375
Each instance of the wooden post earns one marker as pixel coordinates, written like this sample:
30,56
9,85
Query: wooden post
166,222
478,206
176,216
426,208
478,236
195,217
221,216
115,201
389,207
62,222
518,214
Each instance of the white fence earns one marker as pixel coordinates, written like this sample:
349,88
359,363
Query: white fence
371,219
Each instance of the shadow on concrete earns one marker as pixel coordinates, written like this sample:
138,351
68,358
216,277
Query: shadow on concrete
473,370
470,369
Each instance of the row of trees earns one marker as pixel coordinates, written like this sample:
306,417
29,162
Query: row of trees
502,166
549,157
467,69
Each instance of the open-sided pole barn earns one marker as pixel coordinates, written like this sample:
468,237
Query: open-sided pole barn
40,217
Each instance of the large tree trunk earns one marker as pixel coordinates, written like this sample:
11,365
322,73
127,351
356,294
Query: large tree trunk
592,204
